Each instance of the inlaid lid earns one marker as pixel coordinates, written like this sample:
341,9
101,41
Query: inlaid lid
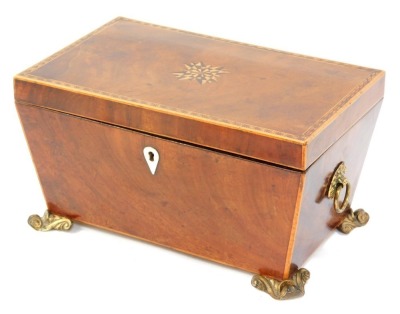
261,103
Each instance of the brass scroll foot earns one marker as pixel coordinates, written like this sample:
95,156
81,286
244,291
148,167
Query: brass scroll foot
283,289
49,222
353,220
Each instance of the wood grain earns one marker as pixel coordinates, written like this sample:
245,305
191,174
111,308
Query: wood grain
226,209
269,105
193,131
318,220
243,160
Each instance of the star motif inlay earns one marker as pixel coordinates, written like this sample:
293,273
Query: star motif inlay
200,72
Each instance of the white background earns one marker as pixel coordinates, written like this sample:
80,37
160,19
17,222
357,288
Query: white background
88,270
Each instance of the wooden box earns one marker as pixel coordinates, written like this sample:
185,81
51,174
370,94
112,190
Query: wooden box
235,153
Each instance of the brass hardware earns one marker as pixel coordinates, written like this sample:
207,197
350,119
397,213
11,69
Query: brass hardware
352,220
200,72
338,182
283,289
341,208
49,222
152,158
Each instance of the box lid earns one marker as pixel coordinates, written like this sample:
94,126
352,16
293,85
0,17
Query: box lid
261,103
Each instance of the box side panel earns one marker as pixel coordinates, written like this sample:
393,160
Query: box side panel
226,209
318,218
181,127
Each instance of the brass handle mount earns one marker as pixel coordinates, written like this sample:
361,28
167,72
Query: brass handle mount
339,182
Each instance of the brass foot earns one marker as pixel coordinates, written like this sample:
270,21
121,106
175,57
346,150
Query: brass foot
283,289
353,220
49,222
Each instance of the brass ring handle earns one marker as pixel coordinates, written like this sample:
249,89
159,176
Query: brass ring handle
352,219
341,208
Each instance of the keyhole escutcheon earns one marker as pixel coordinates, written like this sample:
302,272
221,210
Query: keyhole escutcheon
152,158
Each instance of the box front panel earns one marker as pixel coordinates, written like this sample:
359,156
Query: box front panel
223,208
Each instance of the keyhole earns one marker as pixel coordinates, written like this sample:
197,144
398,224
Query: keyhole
152,158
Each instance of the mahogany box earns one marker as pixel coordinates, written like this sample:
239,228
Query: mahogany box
239,154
